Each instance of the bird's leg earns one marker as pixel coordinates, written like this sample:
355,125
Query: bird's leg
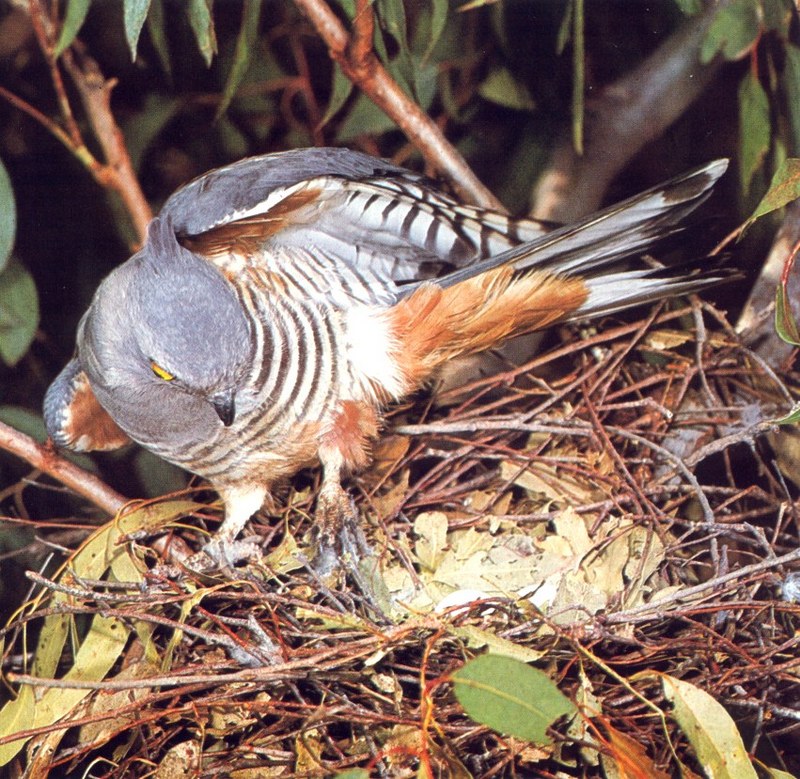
223,550
342,547
341,543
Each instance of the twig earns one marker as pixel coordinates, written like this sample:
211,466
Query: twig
46,460
118,173
358,62
640,613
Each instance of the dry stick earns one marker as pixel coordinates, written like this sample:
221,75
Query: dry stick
118,173
647,611
358,62
630,112
46,460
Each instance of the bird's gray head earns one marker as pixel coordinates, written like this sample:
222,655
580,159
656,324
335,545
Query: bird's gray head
166,343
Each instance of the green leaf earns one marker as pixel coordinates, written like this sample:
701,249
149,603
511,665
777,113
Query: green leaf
783,189
778,15
392,18
565,28
754,128
74,16
19,312
245,43
733,32
438,21
134,15
8,216
141,128
510,697
791,83
785,323
199,12
353,773
155,26
364,118
776,773
792,418
711,731
578,76
341,89
502,88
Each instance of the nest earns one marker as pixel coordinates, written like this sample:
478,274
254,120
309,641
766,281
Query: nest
612,512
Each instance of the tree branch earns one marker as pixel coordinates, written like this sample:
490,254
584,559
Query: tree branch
359,63
118,173
45,459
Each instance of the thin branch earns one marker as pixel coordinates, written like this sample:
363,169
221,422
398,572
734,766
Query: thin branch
45,459
359,63
647,611
118,173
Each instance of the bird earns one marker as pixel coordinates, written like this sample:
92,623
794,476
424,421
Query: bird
281,303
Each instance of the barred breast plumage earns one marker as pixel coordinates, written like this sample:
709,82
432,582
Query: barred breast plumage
280,302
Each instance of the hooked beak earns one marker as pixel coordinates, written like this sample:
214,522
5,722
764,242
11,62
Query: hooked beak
224,404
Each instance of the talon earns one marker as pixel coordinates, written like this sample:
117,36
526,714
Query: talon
342,548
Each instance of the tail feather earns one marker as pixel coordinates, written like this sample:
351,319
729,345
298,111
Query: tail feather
610,293
624,230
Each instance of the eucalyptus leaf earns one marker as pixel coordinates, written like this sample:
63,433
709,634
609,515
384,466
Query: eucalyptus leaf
734,31
689,7
74,16
711,731
341,89
565,28
510,697
8,217
755,130
19,312
364,118
134,13
502,88
143,127
245,44
199,12
158,36
785,323
438,21
791,83
392,18
783,189
777,15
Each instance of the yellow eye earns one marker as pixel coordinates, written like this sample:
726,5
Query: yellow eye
160,372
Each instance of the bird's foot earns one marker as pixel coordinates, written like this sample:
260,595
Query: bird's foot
219,554
342,549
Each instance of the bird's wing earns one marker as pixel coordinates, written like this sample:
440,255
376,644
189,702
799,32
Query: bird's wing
73,417
343,208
